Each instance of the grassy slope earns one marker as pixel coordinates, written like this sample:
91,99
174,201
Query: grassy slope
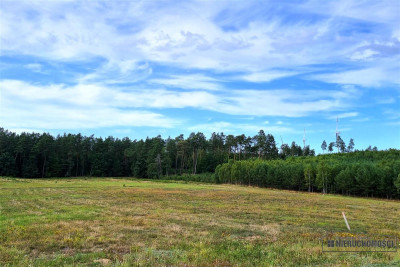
133,222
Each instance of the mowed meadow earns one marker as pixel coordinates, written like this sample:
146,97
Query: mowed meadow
130,222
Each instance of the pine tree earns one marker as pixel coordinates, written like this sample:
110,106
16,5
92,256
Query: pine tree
350,147
330,147
323,146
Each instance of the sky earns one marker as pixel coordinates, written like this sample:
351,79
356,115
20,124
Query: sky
143,68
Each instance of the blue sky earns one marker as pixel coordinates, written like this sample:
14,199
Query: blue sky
143,68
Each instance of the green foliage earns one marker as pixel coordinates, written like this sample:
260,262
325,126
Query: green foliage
397,183
363,173
235,159
309,176
202,177
33,155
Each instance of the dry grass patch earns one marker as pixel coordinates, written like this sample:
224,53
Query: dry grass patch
131,222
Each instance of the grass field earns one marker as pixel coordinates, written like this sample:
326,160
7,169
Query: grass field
126,222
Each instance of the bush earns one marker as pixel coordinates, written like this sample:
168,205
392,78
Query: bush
207,177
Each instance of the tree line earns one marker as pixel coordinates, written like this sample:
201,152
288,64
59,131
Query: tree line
34,155
242,159
362,173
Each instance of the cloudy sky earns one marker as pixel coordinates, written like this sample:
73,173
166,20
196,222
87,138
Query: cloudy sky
143,68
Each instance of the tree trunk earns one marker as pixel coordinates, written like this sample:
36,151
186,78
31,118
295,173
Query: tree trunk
76,171
194,161
193,172
176,163
183,161
44,163
83,167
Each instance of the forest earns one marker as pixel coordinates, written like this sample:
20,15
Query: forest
241,159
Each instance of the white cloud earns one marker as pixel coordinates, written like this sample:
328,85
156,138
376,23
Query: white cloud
34,67
288,103
373,11
367,77
86,105
196,81
266,76
117,72
61,107
139,40
363,55
188,36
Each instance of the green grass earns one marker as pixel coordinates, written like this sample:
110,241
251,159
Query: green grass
128,222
